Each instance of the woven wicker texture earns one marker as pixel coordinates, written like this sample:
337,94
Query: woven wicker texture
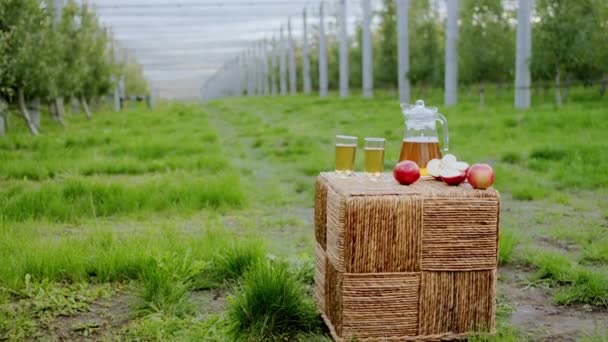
380,304
321,266
360,185
320,214
460,235
333,297
394,246
457,302
405,262
336,209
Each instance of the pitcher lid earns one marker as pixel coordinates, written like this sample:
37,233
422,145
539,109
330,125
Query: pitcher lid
417,109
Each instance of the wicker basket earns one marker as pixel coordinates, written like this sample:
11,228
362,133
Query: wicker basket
405,262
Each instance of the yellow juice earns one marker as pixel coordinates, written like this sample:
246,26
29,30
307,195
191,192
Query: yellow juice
345,158
374,161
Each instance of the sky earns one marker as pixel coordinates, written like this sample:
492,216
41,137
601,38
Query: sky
180,43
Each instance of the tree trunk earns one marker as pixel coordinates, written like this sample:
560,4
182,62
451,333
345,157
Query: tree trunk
558,91
603,86
25,114
34,111
60,111
2,126
482,95
75,106
85,107
567,85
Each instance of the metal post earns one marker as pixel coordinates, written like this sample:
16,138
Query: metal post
265,70
368,62
282,65
58,6
322,54
122,89
522,59
250,74
273,62
153,95
451,54
403,50
292,60
58,9
343,51
237,77
259,68
305,59
116,94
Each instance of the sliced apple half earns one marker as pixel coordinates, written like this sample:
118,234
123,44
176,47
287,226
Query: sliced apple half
452,176
433,167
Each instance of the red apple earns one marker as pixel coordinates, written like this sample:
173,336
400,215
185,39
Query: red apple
453,176
406,172
481,176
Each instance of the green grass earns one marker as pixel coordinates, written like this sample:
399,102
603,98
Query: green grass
507,243
270,304
233,262
595,252
186,198
166,284
99,254
575,284
534,153
73,198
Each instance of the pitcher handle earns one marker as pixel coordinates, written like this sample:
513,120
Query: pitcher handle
446,136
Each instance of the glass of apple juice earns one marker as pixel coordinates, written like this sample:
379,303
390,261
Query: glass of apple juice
374,158
346,147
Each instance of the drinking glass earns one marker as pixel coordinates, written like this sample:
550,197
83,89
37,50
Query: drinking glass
374,157
346,147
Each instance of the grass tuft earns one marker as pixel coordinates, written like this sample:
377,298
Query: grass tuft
270,304
232,262
548,153
165,285
507,243
576,284
587,287
595,252
551,266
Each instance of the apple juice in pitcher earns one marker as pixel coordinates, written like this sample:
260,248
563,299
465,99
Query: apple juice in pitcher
420,139
420,150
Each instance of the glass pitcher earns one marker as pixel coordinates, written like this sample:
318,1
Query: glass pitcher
420,139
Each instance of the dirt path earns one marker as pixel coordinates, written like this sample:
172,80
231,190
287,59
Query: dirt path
536,316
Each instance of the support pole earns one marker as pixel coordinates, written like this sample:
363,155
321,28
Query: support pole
366,45
451,54
259,68
292,60
116,95
250,74
403,50
343,51
322,54
282,65
524,51
265,69
305,59
273,64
